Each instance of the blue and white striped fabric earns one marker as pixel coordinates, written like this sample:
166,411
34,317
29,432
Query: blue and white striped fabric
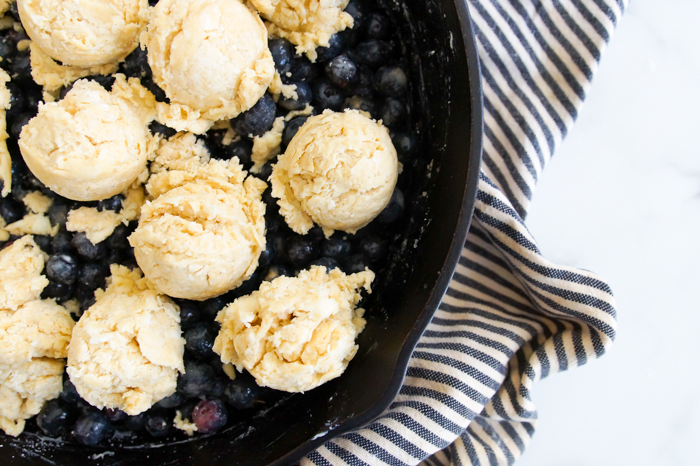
510,317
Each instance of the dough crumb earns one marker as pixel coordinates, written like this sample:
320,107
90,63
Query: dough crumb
278,88
33,224
307,24
267,146
185,424
127,349
21,280
37,202
295,333
53,76
339,172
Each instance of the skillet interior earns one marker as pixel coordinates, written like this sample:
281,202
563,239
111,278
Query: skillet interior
446,108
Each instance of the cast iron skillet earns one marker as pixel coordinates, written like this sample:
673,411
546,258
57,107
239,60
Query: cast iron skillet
447,109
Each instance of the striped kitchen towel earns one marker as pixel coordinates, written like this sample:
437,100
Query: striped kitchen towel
510,317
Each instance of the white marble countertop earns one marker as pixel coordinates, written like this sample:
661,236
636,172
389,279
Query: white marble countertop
622,198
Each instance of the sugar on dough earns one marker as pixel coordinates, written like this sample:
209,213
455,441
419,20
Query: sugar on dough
126,350
34,336
339,172
211,59
204,231
92,144
306,23
295,333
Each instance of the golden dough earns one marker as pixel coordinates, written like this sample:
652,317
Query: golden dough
295,333
127,349
211,59
91,145
339,171
84,33
21,280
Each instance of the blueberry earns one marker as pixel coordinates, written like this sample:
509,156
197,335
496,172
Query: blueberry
242,392
391,81
342,71
336,248
328,96
58,291
156,90
376,26
157,423
392,113
18,123
282,53
275,271
92,275
243,149
44,243
373,248
209,416
11,211
64,91
335,46
406,145
14,12
21,68
86,298
372,53
301,250
135,423
62,242
265,172
302,70
54,418
199,341
105,81
136,64
292,128
113,203
119,239
18,101
359,103
69,394
354,9
92,428
197,379
258,120
114,415
356,263
267,256
394,209
326,262
158,128
303,98
58,214
189,314
172,401
62,268
211,307
88,250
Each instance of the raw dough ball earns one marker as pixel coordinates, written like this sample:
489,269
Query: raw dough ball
89,146
24,389
126,350
295,333
21,280
305,23
210,56
37,329
201,239
338,171
84,33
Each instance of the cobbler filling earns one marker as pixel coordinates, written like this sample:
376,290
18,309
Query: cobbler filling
362,69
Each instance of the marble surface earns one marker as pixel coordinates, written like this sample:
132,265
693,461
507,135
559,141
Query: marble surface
622,198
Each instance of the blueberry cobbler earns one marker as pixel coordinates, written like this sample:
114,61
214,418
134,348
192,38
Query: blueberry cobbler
198,197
